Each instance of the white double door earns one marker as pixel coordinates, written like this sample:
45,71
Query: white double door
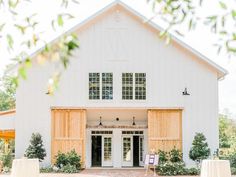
127,150
107,158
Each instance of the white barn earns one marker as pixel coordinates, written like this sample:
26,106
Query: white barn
122,95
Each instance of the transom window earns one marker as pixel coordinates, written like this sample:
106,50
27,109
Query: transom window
106,85
127,86
134,86
94,86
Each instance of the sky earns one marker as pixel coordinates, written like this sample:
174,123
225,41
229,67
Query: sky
200,39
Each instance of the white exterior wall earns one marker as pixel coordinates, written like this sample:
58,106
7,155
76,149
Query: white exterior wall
7,122
118,43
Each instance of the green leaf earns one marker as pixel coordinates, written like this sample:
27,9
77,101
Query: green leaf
162,33
233,13
12,3
234,36
223,5
2,26
10,41
22,29
223,21
60,21
22,72
190,25
28,63
15,81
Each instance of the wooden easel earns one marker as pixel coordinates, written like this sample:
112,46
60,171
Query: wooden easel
151,160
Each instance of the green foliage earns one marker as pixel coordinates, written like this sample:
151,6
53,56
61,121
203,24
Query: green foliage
47,169
7,93
233,170
36,148
7,159
68,168
227,131
163,156
69,162
176,155
192,171
231,156
171,169
199,149
175,168
188,14
171,164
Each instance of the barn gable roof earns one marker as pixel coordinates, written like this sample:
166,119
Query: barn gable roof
221,72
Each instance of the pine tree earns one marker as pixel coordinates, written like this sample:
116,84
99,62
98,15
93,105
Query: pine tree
36,148
199,150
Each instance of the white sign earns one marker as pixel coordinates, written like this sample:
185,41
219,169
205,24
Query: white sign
151,159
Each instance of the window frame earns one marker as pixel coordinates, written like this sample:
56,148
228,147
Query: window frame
100,86
134,86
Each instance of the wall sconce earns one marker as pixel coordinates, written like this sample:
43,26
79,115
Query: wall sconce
100,122
185,92
134,121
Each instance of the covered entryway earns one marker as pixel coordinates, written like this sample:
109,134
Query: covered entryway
68,131
116,137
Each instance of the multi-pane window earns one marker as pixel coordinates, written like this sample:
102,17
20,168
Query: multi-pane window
134,86
107,86
140,86
94,86
127,86
107,149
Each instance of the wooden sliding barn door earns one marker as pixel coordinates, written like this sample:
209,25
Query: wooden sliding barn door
164,129
68,132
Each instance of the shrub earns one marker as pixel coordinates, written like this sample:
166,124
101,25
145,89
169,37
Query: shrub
6,159
233,170
61,160
46,169
232,159
176,168
163,156
192,171
176,155
199,150
69,162
171,169
36,148
69,169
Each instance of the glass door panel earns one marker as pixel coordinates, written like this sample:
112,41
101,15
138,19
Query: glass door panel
127,155
141,151
107,151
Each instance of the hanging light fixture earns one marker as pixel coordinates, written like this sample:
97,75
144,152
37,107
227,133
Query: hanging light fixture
134,121
100,122
185,92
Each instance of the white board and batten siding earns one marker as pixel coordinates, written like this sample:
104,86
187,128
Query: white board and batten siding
117,42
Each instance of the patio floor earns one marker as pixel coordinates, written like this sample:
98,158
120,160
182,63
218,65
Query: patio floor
100,173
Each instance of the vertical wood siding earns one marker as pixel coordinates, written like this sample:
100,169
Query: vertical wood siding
68,132
164,129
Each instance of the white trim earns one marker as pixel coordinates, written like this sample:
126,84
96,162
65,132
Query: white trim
220,70
119,108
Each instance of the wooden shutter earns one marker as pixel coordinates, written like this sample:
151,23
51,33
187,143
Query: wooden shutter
164,129
68,132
